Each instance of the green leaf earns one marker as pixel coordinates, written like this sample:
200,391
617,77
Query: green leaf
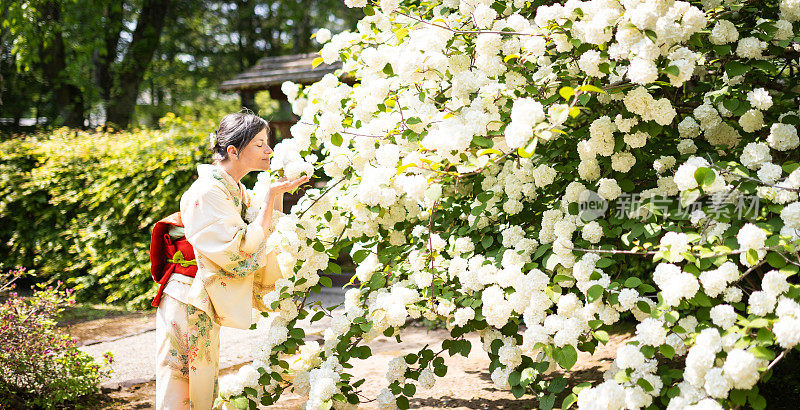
601,336
547,402
758,402
604,263
557,385
738,397
752,257
402,402
326,281
704,176
672,70
409,389
632,282
336,139
240,402
667,351
731,104
765,335
761,352
297,333
569,401
566,357
776,260
735,69
594,293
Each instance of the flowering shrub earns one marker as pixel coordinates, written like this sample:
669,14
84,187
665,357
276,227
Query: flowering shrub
535,172
40,366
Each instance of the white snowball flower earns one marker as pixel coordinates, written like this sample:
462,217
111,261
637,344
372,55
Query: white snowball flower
761,303
323,35
783,137
752,121
716,384
786,334
592,232
463,315
608,395
483,16
741,368
609,189
751,236
750,47
642,71
676,243
755,154
769,173
774,283
790,214
760,99
629,357
723,316
651,332
723,32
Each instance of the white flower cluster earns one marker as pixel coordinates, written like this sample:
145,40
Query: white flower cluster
479,130
675,284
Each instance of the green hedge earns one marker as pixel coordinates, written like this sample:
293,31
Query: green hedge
78,206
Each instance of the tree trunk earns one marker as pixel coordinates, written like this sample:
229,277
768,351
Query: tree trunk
133,66
67,97
302,31
103,61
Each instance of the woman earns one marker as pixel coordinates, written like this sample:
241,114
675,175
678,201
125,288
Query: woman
234,267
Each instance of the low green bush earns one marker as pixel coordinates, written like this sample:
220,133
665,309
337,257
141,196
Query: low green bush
78,206
40,365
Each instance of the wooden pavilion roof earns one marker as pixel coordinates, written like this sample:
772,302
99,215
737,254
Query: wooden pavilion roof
270,72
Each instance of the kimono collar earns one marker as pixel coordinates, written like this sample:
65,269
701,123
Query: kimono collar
218,173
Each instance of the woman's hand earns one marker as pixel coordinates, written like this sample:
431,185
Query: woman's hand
283,185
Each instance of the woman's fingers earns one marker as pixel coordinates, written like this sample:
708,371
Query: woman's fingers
285,186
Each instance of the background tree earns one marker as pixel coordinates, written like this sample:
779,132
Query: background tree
91,57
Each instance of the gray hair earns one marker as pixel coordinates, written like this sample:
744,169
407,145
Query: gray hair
236,130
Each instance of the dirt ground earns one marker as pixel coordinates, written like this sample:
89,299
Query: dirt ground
466,385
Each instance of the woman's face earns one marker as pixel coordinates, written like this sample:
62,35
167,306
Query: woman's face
255,156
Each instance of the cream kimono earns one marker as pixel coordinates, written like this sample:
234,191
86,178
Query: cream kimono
235,270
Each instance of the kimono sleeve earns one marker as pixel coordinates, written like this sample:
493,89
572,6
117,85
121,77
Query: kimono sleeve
215,229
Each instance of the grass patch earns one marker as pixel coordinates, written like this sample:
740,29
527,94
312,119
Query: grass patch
82,312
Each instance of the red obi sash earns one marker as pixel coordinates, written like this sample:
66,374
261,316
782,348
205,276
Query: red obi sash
168,256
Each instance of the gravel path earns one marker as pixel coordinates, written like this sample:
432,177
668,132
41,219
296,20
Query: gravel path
466,385
134,353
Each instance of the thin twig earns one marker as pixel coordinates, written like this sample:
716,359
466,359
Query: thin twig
777,359
318,198
511,33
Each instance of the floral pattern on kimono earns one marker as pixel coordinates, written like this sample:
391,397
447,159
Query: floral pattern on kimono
231,254
178,358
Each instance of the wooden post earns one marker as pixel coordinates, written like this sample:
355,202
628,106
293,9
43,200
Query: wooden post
248,99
